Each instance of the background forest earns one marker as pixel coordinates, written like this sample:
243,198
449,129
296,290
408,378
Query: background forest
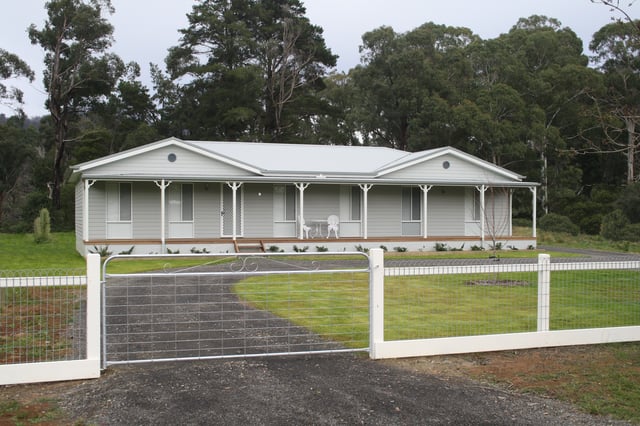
529,100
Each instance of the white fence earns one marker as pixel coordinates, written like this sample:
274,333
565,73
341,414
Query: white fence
37,331
533,334
412,311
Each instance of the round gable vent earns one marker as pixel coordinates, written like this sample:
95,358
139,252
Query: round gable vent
446,165
171,157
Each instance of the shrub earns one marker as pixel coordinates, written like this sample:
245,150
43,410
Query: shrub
520,221
400,249
440,247
42,227
629,202
196,251
590,224
274,249
321,249
127,251
613,225
300,249
103,251
497,246
553,222
632,232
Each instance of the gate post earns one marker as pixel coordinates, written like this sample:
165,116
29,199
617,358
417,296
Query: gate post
376,299
94,315
544,281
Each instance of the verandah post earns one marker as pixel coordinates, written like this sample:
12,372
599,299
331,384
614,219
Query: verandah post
544,284
376,299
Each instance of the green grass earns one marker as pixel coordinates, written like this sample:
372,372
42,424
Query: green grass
583,241
334,305
38,412
20,252
446,306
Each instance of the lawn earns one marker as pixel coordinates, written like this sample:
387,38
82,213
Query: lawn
20,252
448,305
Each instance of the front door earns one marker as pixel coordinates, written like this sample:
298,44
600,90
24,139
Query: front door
228,209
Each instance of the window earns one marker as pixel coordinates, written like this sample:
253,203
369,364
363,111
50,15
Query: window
476,212
180,198
284,203
411,211
187,202
290,203
119,202
356,200
125,202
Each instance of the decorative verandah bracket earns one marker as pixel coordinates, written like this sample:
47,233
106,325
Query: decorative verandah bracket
301,187
365,187
425,191
88,183
482,189
163,185
234,202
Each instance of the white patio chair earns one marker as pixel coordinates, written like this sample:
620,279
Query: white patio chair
332,225
305,228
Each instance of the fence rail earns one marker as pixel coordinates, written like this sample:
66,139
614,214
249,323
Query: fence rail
433,310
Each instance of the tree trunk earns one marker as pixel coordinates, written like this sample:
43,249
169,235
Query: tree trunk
544,184
59,155
631,150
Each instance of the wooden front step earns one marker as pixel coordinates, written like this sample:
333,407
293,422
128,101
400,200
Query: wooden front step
249,247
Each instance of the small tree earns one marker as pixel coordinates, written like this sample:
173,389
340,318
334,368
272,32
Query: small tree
42,227
614,225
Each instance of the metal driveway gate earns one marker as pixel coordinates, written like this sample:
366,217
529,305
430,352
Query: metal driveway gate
203,306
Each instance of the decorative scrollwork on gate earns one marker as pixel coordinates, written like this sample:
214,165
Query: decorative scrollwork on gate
245,264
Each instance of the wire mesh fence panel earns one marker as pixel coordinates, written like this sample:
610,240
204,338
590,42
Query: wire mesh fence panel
208,312
606,296
451,301
42,316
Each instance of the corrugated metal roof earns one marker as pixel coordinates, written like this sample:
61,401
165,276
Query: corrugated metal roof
305,159
304,163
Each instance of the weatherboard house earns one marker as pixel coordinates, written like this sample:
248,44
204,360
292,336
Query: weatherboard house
230,196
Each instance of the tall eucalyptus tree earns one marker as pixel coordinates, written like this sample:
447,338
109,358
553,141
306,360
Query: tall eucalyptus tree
617,49
78,69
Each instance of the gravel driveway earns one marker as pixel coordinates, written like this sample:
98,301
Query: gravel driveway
319,390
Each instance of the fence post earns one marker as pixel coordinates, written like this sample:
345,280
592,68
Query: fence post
93,309
544,282
376,299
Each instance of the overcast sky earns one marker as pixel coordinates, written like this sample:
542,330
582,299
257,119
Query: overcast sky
145,29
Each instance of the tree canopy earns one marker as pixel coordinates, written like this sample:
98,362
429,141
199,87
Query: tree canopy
530,99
